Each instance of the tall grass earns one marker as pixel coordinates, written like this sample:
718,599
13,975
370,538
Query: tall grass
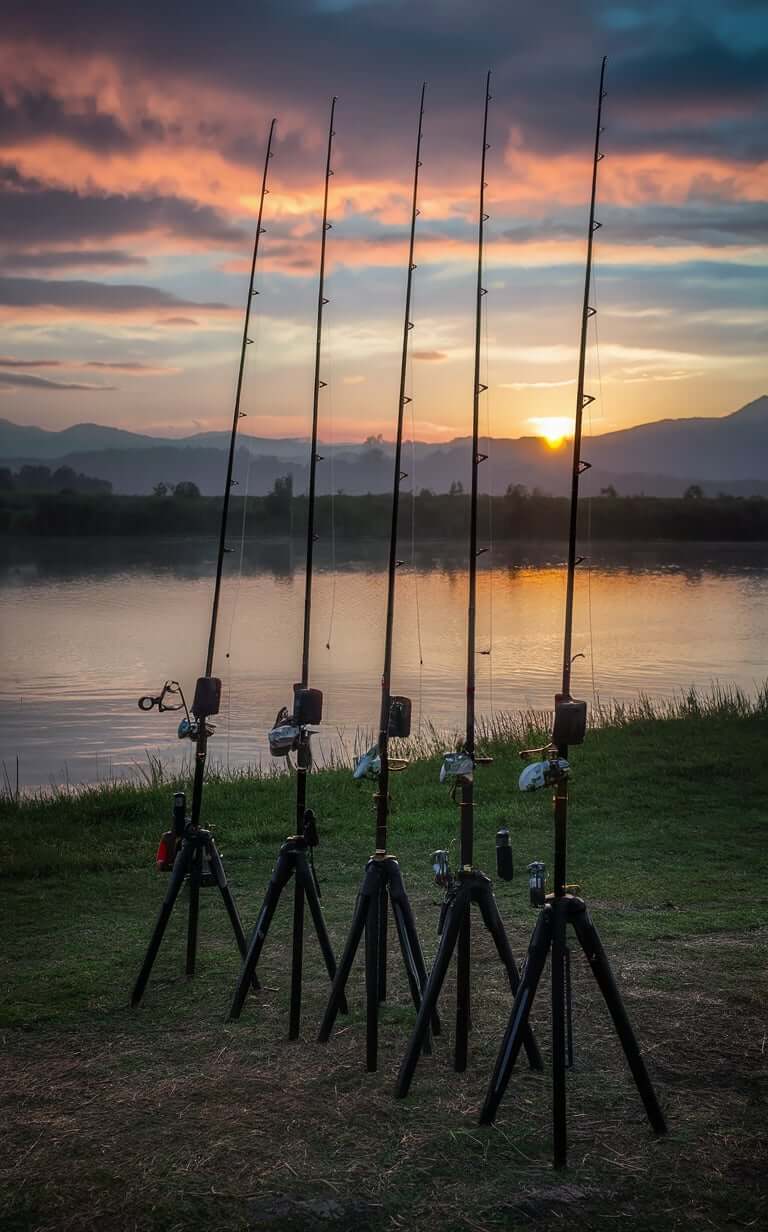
523,729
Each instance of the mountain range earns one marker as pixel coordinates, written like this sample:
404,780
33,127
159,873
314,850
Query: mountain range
728,453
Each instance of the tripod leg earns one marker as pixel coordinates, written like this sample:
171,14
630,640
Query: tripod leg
463,991
313,901
409,937
372,959
294,1017
560,1127
217,869
281,874
568,1010
518,1019
601,969
180,869
489,910
451,926
362,907
416,981
383,919
195,873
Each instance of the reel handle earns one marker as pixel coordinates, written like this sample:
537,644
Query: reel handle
545,750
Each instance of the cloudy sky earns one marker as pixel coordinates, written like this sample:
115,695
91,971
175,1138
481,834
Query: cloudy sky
131,144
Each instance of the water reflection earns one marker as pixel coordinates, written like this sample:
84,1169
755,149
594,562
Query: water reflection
88,625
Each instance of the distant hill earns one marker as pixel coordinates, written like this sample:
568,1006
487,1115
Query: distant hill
40,444
726,454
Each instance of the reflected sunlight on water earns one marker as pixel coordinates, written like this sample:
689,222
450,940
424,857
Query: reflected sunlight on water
88,627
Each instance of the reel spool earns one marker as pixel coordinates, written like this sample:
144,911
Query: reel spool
543,773
369,765
284,735
457,766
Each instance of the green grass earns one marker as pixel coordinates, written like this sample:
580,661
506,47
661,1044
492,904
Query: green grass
170,1118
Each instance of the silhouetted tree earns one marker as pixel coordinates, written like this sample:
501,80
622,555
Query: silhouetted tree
187,490
277,503
35,478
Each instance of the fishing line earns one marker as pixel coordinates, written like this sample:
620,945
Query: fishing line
236,600
255,330
414,568
332,447
491,570
596,299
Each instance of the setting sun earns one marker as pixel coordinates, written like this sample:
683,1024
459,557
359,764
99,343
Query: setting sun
553,428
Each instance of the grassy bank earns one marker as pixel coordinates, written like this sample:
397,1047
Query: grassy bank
169,1118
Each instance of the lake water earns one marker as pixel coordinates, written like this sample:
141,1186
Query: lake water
88,626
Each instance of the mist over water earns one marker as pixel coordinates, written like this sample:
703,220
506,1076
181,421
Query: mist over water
87,626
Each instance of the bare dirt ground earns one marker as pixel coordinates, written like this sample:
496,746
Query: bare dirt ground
169,1120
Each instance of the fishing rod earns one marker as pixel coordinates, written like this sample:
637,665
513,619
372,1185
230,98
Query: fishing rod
562,907
470,885
292,730
184,849
382,881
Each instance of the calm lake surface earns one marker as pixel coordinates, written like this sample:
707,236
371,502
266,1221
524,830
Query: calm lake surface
87,626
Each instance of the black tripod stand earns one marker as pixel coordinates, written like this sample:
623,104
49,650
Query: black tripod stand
196,847
291,732
561,909
294,860
382,884
471,885
191,844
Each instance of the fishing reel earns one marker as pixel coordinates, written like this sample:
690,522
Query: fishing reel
288,731
459,767
369,765
189,729
398,728
569,727
205,703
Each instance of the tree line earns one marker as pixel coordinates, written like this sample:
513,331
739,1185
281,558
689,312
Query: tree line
519,515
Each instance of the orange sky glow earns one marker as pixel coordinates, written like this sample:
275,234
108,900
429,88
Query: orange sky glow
131,193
